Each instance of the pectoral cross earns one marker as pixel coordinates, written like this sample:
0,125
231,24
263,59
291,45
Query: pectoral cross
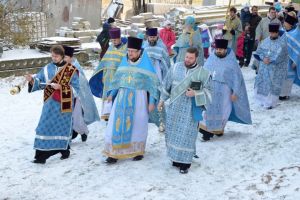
129,79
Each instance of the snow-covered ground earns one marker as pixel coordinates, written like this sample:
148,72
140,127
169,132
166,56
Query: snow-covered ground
23,54
261,161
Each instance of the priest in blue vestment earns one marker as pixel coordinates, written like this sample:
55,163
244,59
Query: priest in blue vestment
135,90
229,95
59,80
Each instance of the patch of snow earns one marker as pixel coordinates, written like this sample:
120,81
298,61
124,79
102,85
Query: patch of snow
19,54
260,161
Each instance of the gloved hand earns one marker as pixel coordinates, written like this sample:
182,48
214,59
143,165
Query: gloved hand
224,31
232,32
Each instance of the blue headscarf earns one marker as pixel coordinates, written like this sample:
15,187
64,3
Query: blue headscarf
278,7
190,20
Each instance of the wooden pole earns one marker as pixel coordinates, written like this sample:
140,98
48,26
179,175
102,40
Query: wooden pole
228,8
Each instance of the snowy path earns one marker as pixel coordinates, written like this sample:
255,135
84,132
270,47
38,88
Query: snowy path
250,162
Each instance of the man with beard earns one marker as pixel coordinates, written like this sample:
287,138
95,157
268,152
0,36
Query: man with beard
272,56
290,24
262,31
229,95
135,90
156,51
54,131
185,86
106,69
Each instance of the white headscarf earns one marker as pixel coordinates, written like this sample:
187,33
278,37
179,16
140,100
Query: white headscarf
166,23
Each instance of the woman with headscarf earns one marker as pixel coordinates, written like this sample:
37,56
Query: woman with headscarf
191,37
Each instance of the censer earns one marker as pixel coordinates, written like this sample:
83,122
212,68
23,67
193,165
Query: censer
15,90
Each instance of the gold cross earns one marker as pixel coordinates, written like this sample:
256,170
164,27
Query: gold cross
129,79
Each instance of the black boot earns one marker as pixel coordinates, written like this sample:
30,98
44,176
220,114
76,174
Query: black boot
206,135
184,168
74,134
283,98
36,161
137,158
84,137
176,164
65,154
111,160
41,156
220,135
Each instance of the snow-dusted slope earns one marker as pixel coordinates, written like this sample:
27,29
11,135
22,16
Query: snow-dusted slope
261,161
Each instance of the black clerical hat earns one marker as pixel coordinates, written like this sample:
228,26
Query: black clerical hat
274,28
152,31
221,43
291,20
114,33
69,51
134,43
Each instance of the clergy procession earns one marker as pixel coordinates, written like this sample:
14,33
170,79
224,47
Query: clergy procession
189,87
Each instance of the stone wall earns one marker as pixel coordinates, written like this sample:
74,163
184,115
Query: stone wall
60,13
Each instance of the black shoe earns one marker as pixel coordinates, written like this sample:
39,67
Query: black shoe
111,160
284,98
220,135
74,134
196,156
84,137
269,108
206,135
205,139
65,154
183,170
137,158
176,164
36,161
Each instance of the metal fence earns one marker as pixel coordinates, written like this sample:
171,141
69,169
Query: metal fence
34,24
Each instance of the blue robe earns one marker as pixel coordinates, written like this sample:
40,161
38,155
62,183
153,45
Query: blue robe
104,74
270,77
183,114
226,73
129,79
54,129
293,38
290,72
158,54
90,112
105,71
161,62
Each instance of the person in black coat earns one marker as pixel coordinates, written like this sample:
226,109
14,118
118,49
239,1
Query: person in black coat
254,21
